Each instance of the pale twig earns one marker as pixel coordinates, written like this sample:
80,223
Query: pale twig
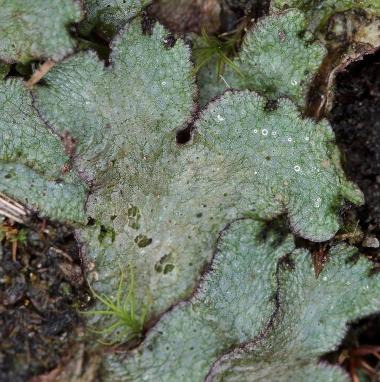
224,80
12,209
40,73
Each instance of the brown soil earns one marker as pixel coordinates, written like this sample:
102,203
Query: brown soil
355,118
41,289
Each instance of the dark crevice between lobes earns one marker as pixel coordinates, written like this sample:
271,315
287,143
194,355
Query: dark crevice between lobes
147,23
169,41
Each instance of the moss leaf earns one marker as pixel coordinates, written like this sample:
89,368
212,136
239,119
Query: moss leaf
276,60
220,314
106,17
36,29
263,294
318,14
313,316
159,205
33,159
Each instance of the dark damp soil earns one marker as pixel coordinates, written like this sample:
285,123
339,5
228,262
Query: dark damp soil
41,291
355,118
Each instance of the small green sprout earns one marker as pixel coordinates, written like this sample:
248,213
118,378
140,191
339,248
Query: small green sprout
127,322
17,237
220,48
20,237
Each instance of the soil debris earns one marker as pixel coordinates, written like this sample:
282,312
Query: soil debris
41,290
355,119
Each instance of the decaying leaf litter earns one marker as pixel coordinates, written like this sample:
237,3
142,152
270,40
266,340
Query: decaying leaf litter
90,169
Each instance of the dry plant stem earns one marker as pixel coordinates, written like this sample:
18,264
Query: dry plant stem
49,377
356,361
353,374
319,259
39,73
12,209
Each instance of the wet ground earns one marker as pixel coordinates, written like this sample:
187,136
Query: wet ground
41,292
356,121
355,118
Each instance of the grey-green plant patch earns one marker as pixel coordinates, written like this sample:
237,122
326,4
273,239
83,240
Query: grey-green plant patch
33,162
158,205
109,16
318,13
312,317
261,296
276,59
37,29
